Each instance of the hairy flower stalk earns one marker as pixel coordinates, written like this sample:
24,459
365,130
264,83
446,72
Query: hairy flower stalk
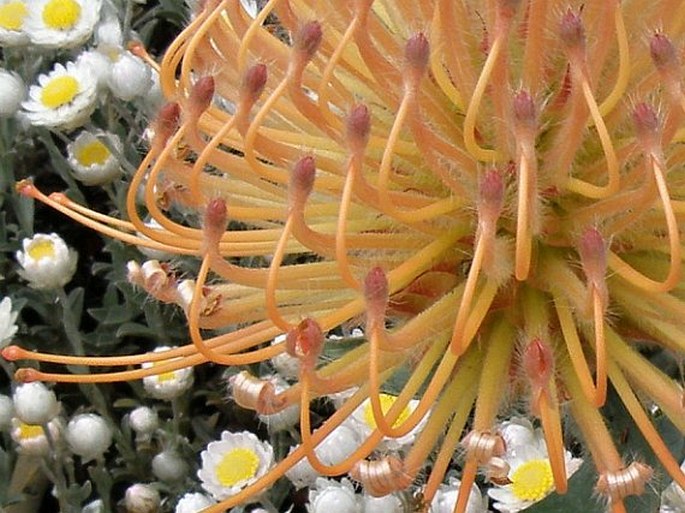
500,193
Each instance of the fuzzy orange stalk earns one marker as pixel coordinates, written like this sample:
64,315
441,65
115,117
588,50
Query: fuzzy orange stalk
480,179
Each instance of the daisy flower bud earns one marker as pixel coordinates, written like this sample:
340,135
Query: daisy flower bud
141,498
98,64
193,503
168,466
234,462
34,403
91,160
167,385
391,503
64,98
31,438
89,436
144,421
46,261
129,77
13,93
446,498
286,365
7,321
330,496
108,32
6,412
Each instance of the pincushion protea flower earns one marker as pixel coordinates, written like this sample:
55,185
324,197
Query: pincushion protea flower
495,185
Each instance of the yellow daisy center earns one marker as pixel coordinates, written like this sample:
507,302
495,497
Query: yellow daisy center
61,14
92,153
27,431
387,401
41,249
12,15
59,91
236,466
532,480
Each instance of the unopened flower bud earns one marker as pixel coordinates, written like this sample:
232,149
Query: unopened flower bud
89,436
417,53
35,404
168,466
13,93
141,498
662,51
253,83
201,96
144,421
130,77
302,180
571,29
358,127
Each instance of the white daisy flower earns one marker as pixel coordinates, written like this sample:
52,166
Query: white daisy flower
193,503
12,16
64,98
12,93
47,262
363,421
31,438
61,23
91,159
7,321
530,472
167,385
673,497
329,496
446,498
333,449
234,462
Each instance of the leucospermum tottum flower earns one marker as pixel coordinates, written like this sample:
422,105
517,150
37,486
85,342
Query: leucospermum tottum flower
490,185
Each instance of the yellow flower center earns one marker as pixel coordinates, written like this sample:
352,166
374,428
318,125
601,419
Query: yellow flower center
27,431
12,15
532,480
59,91
61,14
92,153
387,401
41,249
236,466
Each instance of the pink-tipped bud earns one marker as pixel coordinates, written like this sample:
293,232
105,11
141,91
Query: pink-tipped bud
305,341
417,53
538,363
167,122
215,220
663,52
201,95
507,8
308,39
646,123
491,196
302,180
524,109
358,127
376,294
571,29
253,83
593,254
